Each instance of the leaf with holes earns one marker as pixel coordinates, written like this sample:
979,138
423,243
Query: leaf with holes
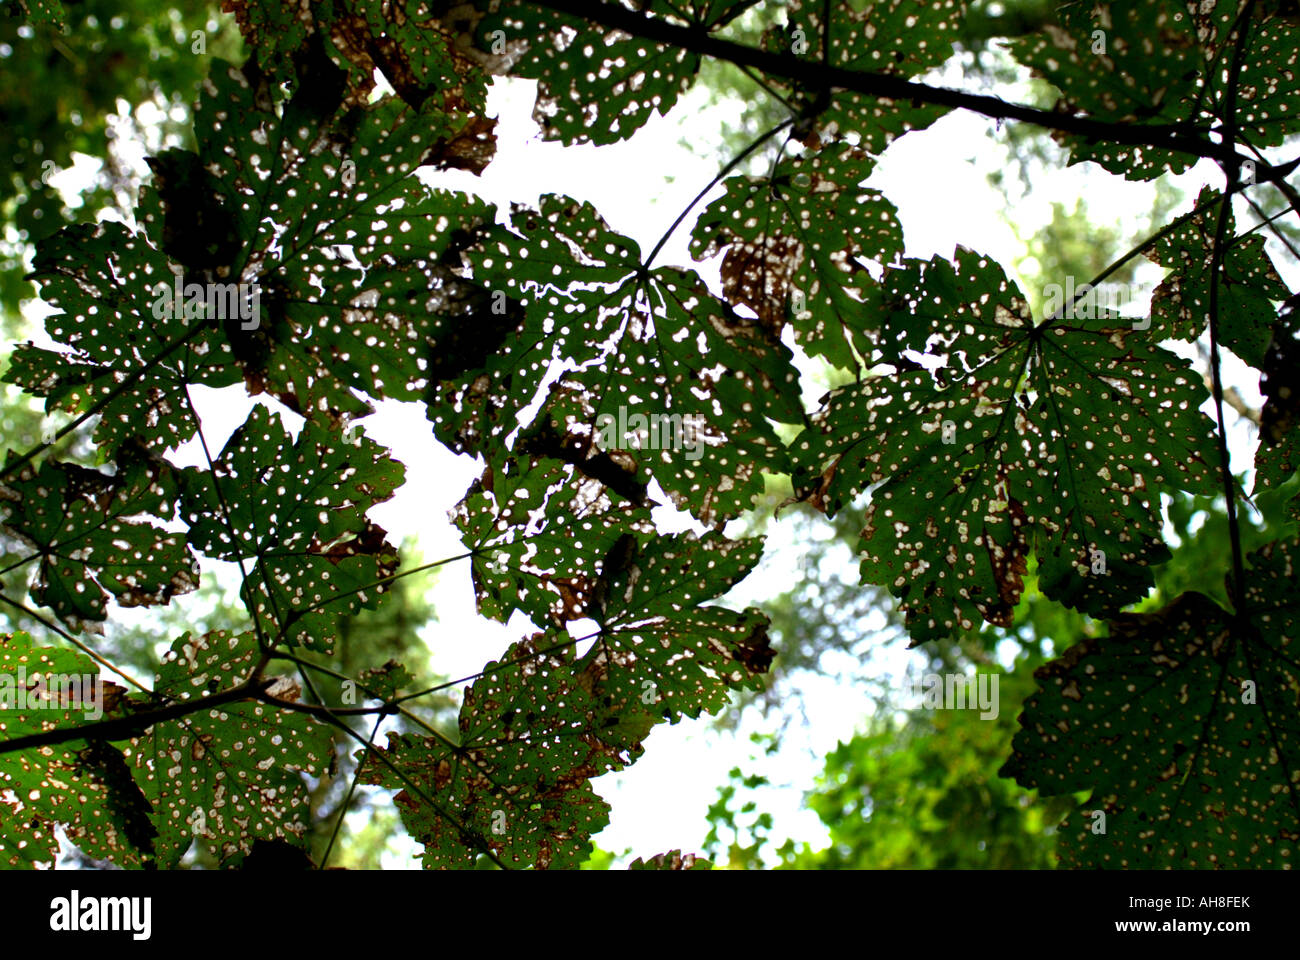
76,784
299,508
661,644
128,348
654,348
792,245
1248,284
232,774
897,38
518,782
542,538
403,41
345,247
687,398
1056,439
79,523
1182,723
1136,63
548,279
595,84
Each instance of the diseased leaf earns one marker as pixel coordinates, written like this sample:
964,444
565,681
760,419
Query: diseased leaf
792,245
298,508
127,348
1278,454
1055,439
403,40
595,84
656,346
45,11
87,546
384,682
345,247
232,774
540,538
1131,62
1247,285
518,781
539,724
894,37
1182,722
672,860
1163,63
660,643
76,784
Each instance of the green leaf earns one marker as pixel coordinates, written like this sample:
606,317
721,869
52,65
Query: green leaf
1059,440
233,774
78,522
518,781
406,41
1136,63
542,539
45,11
1182,722
539,724
655,345
345,246
1247,285
384,682
792,243
126,352
660,644
595,84
1277,455
77,784
897,38
298,508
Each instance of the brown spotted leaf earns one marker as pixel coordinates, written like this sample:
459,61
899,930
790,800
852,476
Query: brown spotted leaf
88,539
82,786
297,507
540,536
899,38
231,775
670,383
793,242
672,860
1009,438
518,782
1183,724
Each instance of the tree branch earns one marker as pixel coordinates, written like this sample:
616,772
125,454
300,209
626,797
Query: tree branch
814,74
119,728
1233,174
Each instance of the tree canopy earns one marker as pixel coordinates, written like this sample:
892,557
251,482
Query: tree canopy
996,448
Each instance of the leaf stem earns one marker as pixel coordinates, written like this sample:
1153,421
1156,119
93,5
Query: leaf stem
731,165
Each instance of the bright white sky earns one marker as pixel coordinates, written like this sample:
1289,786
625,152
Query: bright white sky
937,179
